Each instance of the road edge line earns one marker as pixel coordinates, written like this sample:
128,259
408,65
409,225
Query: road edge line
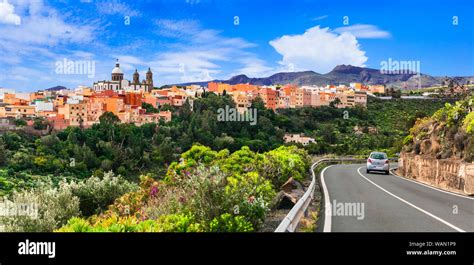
327,204
432,187
411,204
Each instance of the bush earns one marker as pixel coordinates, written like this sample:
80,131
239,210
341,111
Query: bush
204,191
96,194
55,206
284,162
229,223
249,195
223,192
166,223
408,140
132,202
468,123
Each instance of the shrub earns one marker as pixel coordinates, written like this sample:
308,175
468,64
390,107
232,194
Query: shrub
250,195
55,206
131,203
96,194
166,223
284,162
408,140
468,123
225,193
202,193
241,161
229,223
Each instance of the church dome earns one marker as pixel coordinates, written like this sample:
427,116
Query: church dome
117,70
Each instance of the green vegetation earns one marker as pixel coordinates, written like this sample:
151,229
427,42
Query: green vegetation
381,126
446,134
195,173
57,203
204,192
149,108
131,151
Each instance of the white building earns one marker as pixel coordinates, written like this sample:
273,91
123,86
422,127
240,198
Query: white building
118,83
298,138
44,106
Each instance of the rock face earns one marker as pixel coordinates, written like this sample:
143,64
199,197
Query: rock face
439,150
442,138
449,174
291,192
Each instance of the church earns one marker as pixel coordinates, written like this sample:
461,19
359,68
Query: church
118,83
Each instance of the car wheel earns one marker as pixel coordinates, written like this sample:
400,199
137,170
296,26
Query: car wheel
387,172
367,171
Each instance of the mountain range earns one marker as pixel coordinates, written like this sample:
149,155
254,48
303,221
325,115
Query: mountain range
56,88
341,74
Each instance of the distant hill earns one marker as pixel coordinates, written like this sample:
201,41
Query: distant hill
56,88
341,74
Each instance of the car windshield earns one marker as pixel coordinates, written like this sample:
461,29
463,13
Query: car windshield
378,156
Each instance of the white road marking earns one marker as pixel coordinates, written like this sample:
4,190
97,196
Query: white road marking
433,188
411,204
327,203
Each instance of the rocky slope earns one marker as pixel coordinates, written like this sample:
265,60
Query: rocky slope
445,135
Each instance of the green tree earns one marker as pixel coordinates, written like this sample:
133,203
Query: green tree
149,108
3,154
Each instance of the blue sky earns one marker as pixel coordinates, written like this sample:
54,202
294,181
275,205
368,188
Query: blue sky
197,40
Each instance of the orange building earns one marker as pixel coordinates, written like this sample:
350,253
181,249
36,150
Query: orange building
243,87
151,100
269,97
218,87
58,122
114,105
212,86
11,99
133,99
178,100
306,97
75,113
18,111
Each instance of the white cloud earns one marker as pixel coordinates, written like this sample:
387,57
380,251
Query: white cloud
188,66
177,28
201,53
254,67
41,39
7,14
319,49
43,26
364,31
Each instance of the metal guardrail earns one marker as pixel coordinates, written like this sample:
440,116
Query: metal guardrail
292,219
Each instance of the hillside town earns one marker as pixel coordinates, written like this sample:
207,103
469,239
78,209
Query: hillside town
84,105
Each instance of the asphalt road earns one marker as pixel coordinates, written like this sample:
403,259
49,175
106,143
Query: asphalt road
361,202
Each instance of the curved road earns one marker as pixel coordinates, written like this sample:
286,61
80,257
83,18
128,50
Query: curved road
361,202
